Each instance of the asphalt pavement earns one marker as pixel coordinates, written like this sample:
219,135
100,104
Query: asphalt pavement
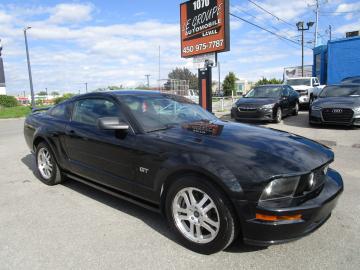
72,226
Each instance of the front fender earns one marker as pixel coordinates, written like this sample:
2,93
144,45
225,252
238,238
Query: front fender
200,164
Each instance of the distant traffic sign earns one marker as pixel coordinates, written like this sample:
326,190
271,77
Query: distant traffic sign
204,27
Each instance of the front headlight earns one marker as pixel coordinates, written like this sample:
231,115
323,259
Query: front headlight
316,108
280,188
268,106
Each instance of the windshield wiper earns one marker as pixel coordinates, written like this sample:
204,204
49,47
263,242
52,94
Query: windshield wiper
165,127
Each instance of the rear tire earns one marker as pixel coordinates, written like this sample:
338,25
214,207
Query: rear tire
200,215
47,168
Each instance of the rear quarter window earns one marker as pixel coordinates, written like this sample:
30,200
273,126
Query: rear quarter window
61,111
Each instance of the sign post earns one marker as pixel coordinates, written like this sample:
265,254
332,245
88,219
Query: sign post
204,33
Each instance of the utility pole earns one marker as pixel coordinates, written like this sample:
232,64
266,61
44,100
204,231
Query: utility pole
300,26
29,68
159,68
317,6
330,29
86,87
46,92
148,80
219,73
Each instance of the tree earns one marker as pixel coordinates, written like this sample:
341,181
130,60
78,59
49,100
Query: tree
184,74
42,93
229,84
63,98
265,81
55,93
114,87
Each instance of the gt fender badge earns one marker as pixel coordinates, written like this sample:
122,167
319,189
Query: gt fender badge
143,170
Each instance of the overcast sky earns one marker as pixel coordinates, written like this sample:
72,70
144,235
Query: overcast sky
116,42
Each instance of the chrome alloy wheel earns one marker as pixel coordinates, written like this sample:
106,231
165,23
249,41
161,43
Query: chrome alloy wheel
45,165
195,215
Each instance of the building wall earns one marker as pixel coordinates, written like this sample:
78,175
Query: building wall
343,59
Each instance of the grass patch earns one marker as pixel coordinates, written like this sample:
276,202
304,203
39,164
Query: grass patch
14,112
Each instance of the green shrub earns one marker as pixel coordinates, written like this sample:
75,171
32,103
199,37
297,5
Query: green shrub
62,98
8,101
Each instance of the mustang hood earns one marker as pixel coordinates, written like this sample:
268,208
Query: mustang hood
258,153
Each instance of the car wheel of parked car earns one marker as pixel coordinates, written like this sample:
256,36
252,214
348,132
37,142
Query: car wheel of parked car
47,167
278,115
200,215
296,109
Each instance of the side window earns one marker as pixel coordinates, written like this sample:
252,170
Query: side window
88,111
60,111
286,92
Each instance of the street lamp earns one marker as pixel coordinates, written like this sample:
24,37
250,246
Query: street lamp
300,27
29,68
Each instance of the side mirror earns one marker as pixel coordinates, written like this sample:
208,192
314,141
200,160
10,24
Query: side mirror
112,123
316,84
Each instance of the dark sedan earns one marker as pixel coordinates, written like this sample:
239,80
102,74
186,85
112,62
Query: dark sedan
212,180
337,104
267,103
351,80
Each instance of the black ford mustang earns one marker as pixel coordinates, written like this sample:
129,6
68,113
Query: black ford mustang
267,103
213,180
337,104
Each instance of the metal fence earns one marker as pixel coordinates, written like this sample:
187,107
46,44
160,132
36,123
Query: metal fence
223,104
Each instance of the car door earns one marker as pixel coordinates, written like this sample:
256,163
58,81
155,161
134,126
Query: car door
103,156
293,97
285,100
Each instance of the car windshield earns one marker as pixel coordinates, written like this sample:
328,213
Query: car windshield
157,112
295,82
265,92
341,91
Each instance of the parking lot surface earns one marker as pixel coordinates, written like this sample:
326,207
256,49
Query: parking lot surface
72,226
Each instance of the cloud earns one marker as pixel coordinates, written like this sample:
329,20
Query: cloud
71,13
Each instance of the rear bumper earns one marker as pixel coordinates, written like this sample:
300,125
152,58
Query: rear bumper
258,115
315,212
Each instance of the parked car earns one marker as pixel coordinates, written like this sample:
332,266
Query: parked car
307,87
267,103
351,80
212,180
337,104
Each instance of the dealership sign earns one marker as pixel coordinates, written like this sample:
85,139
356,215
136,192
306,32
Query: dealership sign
204,27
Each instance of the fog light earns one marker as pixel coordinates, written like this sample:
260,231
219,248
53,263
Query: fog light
277,218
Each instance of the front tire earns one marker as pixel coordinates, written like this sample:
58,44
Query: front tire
46,165
200,215
296,109
278,115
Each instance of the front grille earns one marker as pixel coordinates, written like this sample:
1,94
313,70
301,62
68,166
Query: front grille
247,108
337,115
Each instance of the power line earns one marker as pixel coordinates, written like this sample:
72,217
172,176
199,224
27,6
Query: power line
267,30
268,12
256,18
339,12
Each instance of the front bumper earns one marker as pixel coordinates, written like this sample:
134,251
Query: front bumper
304,99
314,212
315,117
256,115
